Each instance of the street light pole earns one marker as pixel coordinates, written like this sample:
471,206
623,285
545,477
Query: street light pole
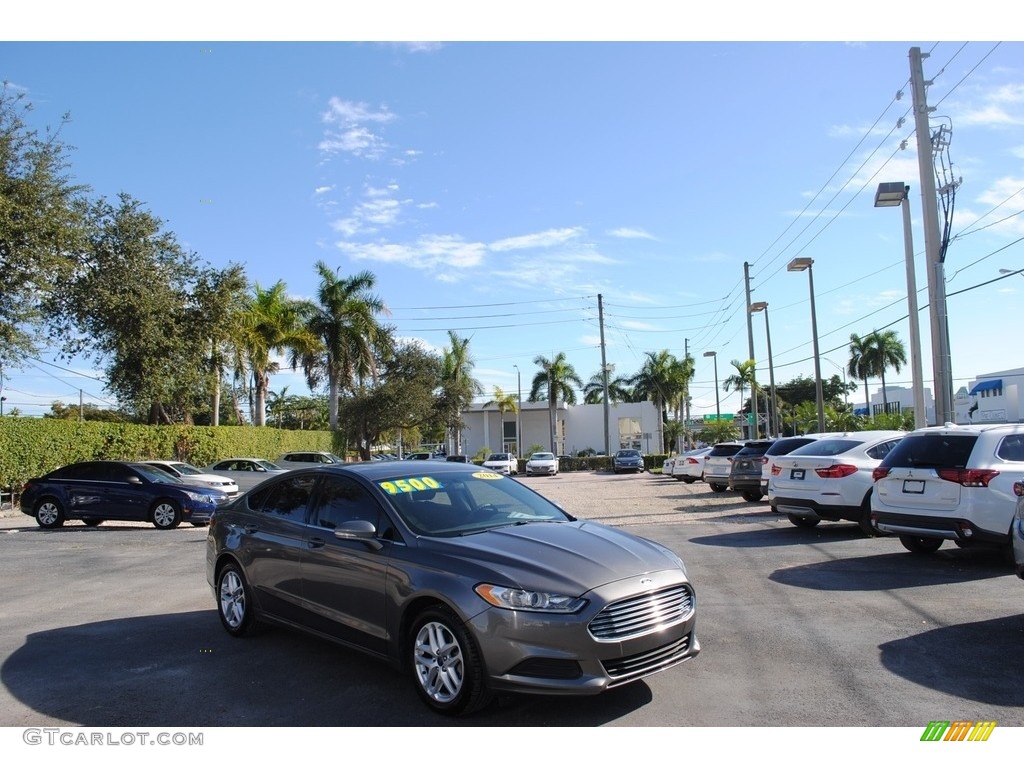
762,306
889,195
800,264
519,412
718,406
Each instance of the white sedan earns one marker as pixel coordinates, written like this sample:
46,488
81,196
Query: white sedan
690,466
193,476
503,463
247,472
542,463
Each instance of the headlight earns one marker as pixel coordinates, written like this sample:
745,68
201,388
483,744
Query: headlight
525,600
201,497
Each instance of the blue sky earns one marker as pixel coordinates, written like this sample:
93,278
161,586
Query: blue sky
497,188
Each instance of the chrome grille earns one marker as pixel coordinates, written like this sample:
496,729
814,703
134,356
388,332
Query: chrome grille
630,668
642,614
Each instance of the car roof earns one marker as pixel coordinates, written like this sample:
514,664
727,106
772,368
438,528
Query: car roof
376,470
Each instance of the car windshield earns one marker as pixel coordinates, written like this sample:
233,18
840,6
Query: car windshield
156,475
267,465
498,457
543,457
466,504
187,469
627,454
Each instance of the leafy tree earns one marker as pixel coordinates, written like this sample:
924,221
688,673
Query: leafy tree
659,381
220,297
505,401
87,412
344,320
43,224
403,398
555,379
133,305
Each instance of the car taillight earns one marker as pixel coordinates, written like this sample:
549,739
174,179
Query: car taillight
968,478
692,461
776,469
879,472
764,459
836,470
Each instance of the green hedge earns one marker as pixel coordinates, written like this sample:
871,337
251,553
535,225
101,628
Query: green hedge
31,447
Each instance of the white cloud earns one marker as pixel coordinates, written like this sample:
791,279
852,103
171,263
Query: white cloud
348,131
631,233
545,239
428,253
322,190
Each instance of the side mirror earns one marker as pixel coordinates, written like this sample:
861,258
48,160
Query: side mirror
361,530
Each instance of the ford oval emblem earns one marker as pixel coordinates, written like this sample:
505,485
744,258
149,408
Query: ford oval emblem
645,581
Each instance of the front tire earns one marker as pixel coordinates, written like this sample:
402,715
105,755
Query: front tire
166,514
234,602
752,496
92,522
717,488
446,665
803,522
920,545
49,513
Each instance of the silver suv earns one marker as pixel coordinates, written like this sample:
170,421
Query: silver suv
950,483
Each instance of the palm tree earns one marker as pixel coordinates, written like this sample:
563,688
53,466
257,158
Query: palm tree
344,320
658,381
861,365
745,377
618,390
887,351
554,380
458,387
505,401
272,323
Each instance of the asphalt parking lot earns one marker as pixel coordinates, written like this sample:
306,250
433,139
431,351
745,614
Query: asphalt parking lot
115,626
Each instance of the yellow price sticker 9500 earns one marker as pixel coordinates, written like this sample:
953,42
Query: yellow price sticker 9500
487,475
408,485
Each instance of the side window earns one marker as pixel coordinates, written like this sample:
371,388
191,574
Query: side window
1012,448
286,500
342,500
881,450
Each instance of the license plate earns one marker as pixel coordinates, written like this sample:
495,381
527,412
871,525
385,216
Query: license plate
913,486
796,474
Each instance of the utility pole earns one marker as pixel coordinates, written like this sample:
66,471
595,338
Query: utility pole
750,349
686,398
932,241
604,374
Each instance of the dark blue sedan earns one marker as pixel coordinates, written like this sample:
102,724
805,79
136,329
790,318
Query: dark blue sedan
95,491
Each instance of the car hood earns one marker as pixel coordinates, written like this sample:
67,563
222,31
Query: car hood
570,557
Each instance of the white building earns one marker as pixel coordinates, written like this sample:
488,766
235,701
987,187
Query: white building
577,428
991,398
898,399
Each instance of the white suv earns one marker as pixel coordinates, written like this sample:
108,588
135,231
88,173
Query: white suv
950,483
504,463
830,479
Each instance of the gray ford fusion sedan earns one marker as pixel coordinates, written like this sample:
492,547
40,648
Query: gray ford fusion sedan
467,578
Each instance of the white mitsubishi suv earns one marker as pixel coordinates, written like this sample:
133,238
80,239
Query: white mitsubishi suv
950,483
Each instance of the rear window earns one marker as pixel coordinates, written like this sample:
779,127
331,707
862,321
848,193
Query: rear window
782,447
754,449
725,450
932,451
826,447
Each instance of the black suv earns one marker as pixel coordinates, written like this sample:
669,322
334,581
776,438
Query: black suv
745,473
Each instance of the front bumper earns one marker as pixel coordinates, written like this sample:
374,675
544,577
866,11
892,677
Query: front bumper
560,654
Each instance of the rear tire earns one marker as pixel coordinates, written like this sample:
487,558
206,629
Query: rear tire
234,602
920,545
803,522
49,513
752,496
717,488
92,522
865,518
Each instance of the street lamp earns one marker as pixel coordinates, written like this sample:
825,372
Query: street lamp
718,407
889,195
519,412
800,264
762,306
1012,272
2,401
